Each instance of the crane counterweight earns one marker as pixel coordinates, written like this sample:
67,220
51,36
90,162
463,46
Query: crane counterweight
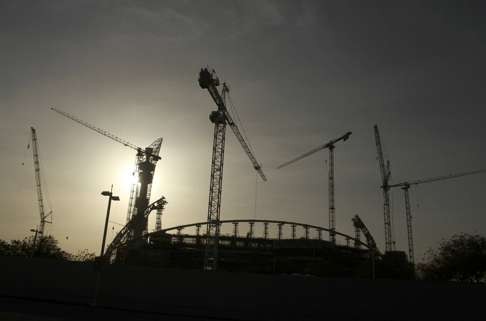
217,116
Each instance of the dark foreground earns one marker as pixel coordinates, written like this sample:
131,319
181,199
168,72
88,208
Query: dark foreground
36,289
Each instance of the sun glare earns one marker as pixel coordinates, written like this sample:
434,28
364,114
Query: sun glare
129,177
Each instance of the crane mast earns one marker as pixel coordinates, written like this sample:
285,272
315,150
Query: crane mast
332,211
133,192
131,198
385,177
146,160
220,117
405,186
38,185
408,218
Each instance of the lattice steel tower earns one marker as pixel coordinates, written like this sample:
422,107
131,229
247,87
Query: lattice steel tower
385,178
38,184
219,117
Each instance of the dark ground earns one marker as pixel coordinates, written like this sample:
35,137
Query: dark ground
37,289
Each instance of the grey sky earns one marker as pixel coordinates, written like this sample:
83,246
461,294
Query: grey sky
300,72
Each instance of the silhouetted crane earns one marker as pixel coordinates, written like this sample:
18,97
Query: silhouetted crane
408,212
330,146
220,117
40,199
146,159
385,178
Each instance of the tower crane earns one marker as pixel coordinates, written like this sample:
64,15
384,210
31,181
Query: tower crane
44,218
146,159
220,117
330,145
385,179
408,212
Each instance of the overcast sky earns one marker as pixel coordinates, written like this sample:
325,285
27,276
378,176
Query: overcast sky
300,72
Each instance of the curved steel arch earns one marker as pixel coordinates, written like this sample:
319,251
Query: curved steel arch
180,227
123,235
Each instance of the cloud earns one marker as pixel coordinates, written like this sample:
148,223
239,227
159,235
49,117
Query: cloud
169,23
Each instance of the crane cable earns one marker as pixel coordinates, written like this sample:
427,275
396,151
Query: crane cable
256,195
240,123
237,118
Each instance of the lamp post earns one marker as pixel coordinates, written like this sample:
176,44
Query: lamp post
111,197
36,232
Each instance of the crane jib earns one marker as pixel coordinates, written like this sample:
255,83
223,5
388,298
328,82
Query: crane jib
329,145
106,133
209,83
435,179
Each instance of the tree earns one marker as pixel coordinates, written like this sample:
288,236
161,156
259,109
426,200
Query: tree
20,247
46,246
82,256
461,258
4,248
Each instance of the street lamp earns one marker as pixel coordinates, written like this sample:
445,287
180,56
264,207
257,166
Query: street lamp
36,232
111,197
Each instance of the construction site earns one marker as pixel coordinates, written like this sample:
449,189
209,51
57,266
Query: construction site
246,253
279,246
242,160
